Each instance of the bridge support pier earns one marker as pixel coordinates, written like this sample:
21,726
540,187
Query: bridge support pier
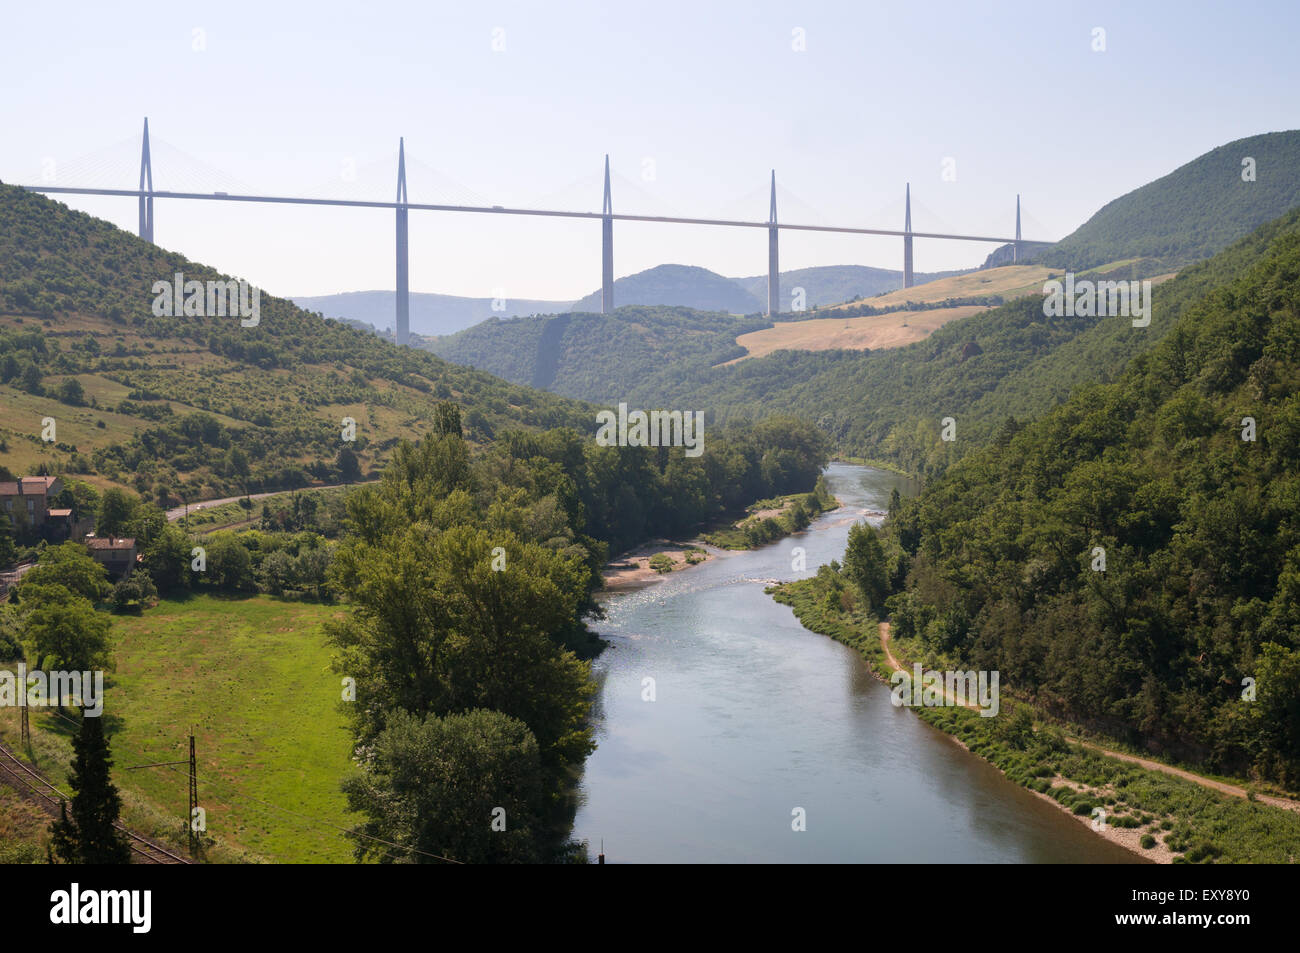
1015,249
402,328
773,268
907,240
607,249
146,185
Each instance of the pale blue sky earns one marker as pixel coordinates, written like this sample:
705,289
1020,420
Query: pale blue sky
712,94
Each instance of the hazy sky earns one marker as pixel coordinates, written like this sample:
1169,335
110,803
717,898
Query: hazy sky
695,103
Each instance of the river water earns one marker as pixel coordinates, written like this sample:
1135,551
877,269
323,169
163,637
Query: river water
755,716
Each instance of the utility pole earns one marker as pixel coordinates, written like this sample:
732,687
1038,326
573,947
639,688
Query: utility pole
26,730
194,800
192,763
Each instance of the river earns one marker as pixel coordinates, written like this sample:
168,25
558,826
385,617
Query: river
754,716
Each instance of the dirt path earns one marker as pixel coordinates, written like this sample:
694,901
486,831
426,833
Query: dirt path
1220,786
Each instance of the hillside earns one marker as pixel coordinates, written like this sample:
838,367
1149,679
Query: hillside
605,357
994,363
683,285
1007,281
1010,361
1132,560
832,284
600,356
431,314
1194,211
201,406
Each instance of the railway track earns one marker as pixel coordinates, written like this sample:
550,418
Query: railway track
27,781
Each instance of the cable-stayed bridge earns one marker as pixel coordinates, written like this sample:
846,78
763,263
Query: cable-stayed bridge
145,194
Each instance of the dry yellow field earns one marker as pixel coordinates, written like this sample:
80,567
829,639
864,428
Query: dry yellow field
855,334
1009,281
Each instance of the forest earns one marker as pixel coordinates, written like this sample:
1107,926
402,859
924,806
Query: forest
1131,560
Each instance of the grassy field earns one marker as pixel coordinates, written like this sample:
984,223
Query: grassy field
874,332
905,326
1009,281
252,676
23,829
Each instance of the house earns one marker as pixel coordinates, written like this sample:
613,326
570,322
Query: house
28,500
114,553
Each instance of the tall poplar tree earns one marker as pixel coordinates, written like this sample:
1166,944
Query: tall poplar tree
87,835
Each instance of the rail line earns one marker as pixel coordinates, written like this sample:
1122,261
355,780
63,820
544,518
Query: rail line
27,781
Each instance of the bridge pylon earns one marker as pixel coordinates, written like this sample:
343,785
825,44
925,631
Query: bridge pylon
907,239
146,186
402,328
1015,249
773,268
607,248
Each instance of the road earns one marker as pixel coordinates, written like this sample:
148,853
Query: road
179,511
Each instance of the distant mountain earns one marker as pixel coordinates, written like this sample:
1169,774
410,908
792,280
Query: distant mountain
431,314
1193,212
435,315
681,285
832,284
602,356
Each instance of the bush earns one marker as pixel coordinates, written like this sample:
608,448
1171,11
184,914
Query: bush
1147,842
136,588
20,853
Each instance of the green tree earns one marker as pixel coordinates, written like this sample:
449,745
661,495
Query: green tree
136,588
167,560
71,392
864,564
8,551
80,497
116,508
86,834
434,629
62,630
468,787
349,467
230,566
1277,712
71,566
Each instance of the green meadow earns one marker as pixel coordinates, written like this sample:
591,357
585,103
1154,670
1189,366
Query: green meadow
251,675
